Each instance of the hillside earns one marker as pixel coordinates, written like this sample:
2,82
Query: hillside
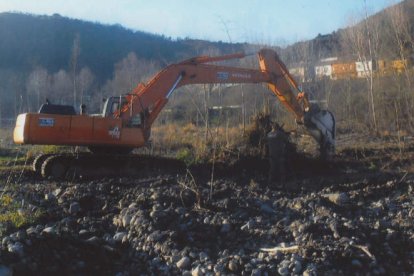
28,41
381,25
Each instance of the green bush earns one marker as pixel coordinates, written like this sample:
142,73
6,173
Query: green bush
186,155
13,216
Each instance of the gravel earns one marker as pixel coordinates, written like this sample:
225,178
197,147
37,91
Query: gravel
345,223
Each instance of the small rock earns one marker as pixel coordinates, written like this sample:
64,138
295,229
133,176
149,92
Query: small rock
225,227
50,197
338,198
93,240
267,209
232,266
16,248
284,271
74,208
126,219
155,236
57,192
31,231
119,236
49,230
203,256
197,271
183,263
298,267
21,235
83,232
6,240
284,268
125,239
156,214
310,270
256,272
356,263
218,268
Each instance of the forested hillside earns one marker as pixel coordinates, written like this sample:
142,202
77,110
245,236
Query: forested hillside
28,41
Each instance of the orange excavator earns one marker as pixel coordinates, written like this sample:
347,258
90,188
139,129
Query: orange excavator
126,120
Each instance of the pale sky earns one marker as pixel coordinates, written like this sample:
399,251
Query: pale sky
275,22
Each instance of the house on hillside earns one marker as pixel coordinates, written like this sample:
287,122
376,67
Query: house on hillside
364,68
344,70
323,69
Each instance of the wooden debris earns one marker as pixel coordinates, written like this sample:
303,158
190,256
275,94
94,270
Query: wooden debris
365,249
289,249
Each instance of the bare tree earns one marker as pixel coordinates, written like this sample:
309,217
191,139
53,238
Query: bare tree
86,79
74,65
362,41
130,71
61,87
402,38
37,86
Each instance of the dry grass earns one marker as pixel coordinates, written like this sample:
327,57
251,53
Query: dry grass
6,137
184,140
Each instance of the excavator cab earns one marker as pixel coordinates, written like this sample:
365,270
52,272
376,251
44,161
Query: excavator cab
113,105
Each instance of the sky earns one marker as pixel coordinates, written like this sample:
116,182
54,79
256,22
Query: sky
274,22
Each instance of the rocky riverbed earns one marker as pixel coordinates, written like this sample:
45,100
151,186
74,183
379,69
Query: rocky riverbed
354,216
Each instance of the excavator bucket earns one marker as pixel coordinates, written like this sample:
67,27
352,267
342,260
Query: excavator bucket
321,125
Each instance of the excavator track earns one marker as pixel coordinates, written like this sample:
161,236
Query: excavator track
38,161
86,165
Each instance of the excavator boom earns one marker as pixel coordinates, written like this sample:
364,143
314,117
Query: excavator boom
198,71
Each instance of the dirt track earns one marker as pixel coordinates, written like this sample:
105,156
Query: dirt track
352,216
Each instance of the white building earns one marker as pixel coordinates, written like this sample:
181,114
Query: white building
324,67
364,68
323,70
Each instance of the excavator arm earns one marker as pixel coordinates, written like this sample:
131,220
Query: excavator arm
150,98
